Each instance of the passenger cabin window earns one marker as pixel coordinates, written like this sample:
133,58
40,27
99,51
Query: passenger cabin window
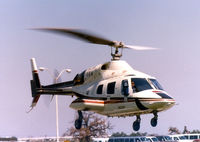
111,88
182,137
140,84
154,139
175,139
137,140
125,88
193,137
100,89
126,140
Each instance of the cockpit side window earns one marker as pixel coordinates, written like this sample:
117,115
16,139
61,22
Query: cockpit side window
156,84
140,84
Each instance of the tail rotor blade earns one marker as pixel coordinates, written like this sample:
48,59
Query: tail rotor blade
56,80
48,99
56,74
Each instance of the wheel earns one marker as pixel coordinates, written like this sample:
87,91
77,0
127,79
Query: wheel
136,125
78,124
154,122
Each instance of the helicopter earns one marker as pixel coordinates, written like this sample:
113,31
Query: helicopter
112,89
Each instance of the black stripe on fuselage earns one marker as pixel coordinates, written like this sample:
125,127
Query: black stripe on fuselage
140,105
164,96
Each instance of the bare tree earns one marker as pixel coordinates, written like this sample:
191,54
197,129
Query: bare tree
93,126
173,130
186,131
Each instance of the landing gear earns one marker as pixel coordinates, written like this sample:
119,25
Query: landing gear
154,120
78,122
136,123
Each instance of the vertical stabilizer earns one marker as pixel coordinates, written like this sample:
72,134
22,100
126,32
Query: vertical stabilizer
35,83
35,73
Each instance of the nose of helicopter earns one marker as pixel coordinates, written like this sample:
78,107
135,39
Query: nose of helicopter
167,103
163,103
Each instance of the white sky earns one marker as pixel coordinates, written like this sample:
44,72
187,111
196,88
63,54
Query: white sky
172,26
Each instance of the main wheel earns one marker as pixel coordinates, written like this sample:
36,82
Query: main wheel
136,125
78,124
154,122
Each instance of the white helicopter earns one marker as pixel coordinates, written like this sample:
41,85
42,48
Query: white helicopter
113,89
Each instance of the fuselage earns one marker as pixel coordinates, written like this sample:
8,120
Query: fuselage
116,89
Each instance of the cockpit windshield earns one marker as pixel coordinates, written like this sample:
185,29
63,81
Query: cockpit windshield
140,84
156,84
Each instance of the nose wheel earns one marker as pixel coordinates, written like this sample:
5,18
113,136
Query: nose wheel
136,123
154,120
79,121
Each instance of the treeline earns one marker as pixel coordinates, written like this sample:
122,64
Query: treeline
8,139
122,134
171,131
174,130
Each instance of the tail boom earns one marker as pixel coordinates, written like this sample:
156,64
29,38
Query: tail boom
64,88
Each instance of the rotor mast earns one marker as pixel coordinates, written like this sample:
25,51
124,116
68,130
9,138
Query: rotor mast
116,55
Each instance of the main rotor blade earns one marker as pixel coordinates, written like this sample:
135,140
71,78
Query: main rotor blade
139,47
91,38
80,34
